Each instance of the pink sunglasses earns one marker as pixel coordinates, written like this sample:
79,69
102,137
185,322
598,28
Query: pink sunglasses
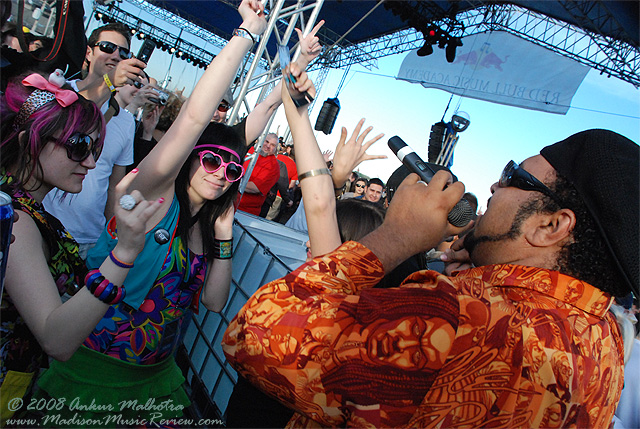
212,162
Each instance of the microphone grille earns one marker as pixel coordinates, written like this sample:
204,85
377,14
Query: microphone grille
461,214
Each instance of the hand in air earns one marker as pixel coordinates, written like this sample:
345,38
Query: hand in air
132,223
253,18
350,153
310,46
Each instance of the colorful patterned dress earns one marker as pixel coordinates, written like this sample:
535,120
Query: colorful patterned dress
149,334
129,356
20,354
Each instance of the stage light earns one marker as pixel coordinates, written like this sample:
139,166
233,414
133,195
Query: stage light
172,50
99,16
133,31
141,35
431,34
426,49
450,51
179,54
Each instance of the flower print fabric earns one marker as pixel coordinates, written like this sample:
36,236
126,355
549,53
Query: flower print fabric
19,350
150,334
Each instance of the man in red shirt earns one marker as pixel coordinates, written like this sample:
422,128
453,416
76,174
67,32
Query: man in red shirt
265,174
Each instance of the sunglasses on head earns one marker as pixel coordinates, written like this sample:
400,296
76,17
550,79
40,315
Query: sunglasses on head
518,177
79,146
224,106
212,162
110,48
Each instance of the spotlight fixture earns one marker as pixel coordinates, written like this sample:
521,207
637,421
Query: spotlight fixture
172,50
133,31
426,49
450,51
99,16
141,35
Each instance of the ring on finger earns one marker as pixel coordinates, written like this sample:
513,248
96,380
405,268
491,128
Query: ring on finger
127,202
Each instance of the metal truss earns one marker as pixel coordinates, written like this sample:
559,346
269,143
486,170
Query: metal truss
281,22
607,54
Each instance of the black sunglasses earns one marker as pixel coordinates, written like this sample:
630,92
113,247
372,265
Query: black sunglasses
518,177
224,106
79,146
138,84
359,186
110,48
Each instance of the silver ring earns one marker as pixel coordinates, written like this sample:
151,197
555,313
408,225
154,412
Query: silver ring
127,202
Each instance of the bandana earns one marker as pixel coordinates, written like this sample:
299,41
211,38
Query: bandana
603,166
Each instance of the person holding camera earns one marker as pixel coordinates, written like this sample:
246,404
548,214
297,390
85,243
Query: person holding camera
111,72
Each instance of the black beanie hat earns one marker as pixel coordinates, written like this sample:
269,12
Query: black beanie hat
603,166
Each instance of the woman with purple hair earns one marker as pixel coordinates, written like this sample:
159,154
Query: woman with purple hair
51,137
126,364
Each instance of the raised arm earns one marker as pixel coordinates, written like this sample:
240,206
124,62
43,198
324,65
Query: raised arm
315,180
160,168
310,48
350,153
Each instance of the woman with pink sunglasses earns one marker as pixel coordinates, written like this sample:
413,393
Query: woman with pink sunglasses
196,169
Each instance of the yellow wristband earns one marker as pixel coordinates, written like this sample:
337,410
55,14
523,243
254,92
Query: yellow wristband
108,82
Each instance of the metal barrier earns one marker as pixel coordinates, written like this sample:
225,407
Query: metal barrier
210,378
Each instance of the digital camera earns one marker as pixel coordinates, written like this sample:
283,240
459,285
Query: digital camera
162,98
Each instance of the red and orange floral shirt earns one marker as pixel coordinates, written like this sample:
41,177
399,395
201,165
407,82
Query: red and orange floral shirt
495,346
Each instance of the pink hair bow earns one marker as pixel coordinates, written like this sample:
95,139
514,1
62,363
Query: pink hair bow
65,97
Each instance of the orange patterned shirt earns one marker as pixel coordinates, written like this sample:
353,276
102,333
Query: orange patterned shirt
495,346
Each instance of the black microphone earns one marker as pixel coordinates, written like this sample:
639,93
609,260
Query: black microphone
462,213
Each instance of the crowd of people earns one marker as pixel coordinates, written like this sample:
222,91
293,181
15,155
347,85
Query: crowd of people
126,194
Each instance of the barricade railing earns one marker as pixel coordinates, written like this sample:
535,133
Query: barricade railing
209,377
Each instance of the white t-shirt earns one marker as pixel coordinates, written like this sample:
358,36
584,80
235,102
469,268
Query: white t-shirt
82,214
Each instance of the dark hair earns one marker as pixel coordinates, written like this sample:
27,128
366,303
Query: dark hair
23,153
586,256
375,181
170,111
357,218
218,134
472,200
114,26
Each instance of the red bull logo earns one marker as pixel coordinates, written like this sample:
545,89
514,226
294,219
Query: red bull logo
482,58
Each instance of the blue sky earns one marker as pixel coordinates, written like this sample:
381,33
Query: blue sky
496,135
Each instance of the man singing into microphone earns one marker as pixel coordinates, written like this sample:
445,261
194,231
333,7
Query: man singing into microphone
524,339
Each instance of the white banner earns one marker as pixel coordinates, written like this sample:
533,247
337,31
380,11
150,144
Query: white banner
500,68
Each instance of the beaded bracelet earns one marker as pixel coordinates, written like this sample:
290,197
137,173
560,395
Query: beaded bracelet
118,262
222,249
103,289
